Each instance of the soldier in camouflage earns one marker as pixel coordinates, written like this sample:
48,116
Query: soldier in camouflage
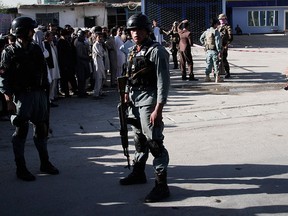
227,37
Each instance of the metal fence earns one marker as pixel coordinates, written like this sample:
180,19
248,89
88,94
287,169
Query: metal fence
198,12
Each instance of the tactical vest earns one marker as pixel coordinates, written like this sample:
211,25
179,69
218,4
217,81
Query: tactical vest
141,71
27,68
210,40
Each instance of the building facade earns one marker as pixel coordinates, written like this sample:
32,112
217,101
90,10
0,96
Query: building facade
82,14
259,17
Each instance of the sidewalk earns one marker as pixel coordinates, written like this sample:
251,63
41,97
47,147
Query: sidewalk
227,143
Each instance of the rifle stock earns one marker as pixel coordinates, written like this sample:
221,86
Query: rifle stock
122,112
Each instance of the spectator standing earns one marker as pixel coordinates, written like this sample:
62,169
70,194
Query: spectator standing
174,43
120,55
185,44
112,54
157,32
52,63
67,64
83,63
98,55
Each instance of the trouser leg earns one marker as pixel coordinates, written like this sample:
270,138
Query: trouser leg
40,141
18,141
138,176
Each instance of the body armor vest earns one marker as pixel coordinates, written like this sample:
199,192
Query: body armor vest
140,70
28,69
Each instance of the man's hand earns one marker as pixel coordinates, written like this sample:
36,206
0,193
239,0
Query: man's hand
156,115
11,107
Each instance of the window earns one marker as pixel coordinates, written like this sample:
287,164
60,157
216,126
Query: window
272,18
262,18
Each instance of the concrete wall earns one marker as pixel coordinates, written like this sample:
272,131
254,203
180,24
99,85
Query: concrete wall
69,15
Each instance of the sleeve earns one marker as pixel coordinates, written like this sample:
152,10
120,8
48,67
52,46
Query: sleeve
230,34
202,38
160,57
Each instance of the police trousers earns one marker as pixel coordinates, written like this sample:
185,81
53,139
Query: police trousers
30,107
144,134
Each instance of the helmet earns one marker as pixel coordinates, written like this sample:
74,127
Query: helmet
222,16
22,25
139,21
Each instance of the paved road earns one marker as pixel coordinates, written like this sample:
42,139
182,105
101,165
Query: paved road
227,143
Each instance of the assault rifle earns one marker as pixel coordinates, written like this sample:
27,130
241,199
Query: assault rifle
122,112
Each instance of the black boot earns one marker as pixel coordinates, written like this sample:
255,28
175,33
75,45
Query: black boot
192,78
228,75
22,172
191,74
184,77
161,189
46,166
137,176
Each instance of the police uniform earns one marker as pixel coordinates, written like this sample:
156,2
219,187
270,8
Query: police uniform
24,75
146,88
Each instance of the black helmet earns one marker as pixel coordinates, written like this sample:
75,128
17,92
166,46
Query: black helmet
139,21
22,25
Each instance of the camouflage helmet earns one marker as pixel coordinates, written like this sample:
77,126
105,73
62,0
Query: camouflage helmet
222,16
21,26
139,21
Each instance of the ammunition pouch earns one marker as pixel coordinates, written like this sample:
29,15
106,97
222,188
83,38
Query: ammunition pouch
142,72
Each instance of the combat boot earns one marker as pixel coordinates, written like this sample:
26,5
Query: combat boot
22,172
161,189
137,176
228,75
46,166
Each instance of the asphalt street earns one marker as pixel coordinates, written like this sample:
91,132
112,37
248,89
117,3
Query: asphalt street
227,143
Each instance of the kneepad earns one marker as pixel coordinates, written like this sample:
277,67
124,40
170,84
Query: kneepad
156,148
140,142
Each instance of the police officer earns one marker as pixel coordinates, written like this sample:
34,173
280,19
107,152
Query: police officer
24,81
147,91
227,37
